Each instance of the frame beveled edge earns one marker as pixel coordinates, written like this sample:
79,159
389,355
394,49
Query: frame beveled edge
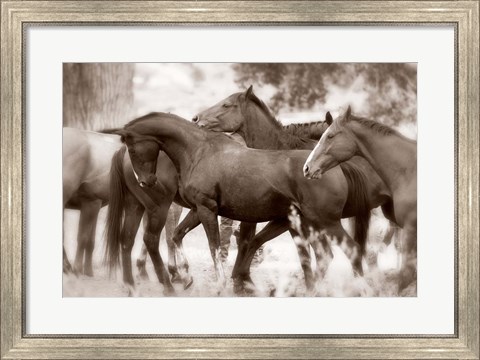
14,15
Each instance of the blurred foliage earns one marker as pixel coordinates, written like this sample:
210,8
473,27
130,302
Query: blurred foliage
389,88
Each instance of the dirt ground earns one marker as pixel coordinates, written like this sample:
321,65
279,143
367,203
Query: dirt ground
279,274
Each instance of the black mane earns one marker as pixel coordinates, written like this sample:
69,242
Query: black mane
308,130
293,138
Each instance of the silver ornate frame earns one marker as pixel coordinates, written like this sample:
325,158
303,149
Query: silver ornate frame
16,15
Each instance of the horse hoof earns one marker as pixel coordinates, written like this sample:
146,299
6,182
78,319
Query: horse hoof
133,292
243,288
67,269
143,275
176,278
169,292
89,273
188,283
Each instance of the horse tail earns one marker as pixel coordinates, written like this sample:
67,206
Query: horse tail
116,211
358,200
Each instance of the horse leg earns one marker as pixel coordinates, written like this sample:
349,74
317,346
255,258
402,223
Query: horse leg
371,256
93,211
241,270
226,232
304,255
86,236
241,279
190,222
133,215
67,268
408,273
151,238
323,254
173,218
209,221
351,248
142,260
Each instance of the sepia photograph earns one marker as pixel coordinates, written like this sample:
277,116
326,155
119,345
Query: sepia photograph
239,179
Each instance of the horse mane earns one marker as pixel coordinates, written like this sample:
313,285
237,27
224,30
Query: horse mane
309,130
291,137
267,111
375,126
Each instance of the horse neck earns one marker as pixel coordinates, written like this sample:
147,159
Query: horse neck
178,141
310,132
392,156
260,132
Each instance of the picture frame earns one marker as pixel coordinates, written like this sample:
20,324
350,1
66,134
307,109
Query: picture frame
17,15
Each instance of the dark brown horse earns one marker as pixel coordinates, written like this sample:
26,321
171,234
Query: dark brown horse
88,185
123,219
245,114
220,177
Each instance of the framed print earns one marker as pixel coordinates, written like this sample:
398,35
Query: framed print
93,90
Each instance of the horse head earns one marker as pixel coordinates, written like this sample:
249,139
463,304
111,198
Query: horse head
335,146
143,151
228,114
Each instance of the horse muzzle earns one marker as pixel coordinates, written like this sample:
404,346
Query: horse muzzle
149,181
311,173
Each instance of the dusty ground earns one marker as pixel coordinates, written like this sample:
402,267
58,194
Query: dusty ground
279,273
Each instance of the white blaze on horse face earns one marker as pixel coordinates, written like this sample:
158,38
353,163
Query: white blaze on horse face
135,174
314,153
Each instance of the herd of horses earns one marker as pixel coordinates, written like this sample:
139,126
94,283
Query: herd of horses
159,163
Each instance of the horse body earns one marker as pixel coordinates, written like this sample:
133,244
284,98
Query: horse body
395,159
87,186
86,163
227,174
245,114
397,169
129,201
255,186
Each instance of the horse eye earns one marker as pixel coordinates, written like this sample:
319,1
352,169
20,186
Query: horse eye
226,105
330,136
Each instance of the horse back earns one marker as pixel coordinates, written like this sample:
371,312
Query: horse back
86,164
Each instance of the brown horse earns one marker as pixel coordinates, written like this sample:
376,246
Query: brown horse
245,114
393,156
123,219
87,186
218,176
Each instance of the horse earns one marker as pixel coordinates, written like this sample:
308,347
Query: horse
86,164
394,158
245,114
87,157
218,176
123,220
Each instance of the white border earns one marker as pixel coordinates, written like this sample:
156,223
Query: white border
432,312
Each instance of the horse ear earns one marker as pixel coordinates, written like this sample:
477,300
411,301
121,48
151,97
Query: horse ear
348,113
249,92
328,118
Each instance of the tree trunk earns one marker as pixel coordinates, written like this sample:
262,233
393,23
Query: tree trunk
97,95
